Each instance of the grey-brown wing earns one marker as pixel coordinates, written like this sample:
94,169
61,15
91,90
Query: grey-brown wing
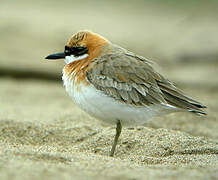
127,79
132,79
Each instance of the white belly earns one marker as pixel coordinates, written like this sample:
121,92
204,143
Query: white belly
109,110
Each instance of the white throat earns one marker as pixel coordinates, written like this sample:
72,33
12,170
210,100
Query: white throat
71,58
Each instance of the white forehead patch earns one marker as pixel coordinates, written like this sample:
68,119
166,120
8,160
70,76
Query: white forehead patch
71,58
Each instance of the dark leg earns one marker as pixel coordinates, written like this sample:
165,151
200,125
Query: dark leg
118,132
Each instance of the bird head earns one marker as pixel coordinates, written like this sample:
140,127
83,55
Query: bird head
84,44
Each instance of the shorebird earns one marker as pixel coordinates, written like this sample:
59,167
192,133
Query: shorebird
117,86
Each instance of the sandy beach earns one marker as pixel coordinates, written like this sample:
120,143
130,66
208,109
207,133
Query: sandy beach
43,135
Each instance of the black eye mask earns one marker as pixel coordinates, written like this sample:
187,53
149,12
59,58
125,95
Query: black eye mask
76,51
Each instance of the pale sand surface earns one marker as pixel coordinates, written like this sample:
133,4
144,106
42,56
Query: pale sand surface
43,135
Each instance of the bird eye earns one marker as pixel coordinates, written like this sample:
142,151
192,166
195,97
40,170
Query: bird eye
76,51
67,51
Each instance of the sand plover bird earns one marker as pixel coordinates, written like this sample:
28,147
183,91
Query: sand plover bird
117,86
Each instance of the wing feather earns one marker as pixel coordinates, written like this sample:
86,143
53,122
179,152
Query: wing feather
131,79
125,79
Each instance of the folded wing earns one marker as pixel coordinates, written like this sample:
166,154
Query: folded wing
131,79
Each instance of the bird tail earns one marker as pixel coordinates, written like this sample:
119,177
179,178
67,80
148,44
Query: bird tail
176,98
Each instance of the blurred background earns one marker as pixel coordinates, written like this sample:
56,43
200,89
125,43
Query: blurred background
37,118
181,36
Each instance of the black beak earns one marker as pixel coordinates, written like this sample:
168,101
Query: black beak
56,56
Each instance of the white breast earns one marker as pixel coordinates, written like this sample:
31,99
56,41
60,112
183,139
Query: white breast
105,108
